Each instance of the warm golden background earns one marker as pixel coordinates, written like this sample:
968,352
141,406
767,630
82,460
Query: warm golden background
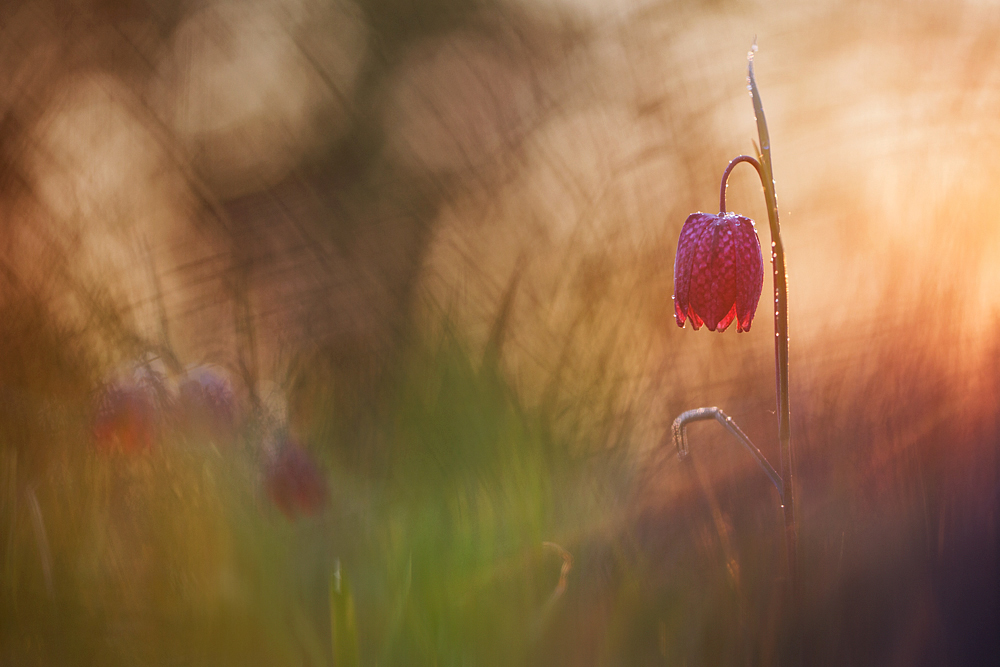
434,242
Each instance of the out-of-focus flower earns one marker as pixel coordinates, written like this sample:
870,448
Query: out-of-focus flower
718,272
130,410
293,481
208,405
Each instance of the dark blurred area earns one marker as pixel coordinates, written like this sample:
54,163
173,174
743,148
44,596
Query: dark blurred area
340,332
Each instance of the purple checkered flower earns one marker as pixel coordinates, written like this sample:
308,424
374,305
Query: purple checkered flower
718,272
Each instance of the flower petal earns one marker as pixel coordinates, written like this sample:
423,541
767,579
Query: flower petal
690,234
713,275
749,272
696,321
727,320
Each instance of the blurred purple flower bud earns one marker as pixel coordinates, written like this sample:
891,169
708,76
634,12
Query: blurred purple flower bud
130,410
294,482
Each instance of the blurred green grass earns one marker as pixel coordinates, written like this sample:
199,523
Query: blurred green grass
444,486
175,555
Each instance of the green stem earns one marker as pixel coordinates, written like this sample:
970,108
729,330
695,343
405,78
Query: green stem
780,327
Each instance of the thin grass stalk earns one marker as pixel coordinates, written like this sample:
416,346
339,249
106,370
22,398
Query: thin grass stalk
780,325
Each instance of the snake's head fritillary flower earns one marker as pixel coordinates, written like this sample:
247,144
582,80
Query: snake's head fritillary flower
293,481
718,272
130,410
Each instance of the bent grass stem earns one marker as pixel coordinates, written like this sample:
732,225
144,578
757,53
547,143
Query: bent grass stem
780,327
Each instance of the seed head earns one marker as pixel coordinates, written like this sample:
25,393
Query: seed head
718,272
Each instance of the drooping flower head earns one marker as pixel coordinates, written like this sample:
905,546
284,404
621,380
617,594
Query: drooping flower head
130,410
293,481
718,272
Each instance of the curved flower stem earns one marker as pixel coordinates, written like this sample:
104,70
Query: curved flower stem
780,324
725,178
704,414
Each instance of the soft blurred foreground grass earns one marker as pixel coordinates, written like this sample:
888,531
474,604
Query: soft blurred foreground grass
452,505
176,556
